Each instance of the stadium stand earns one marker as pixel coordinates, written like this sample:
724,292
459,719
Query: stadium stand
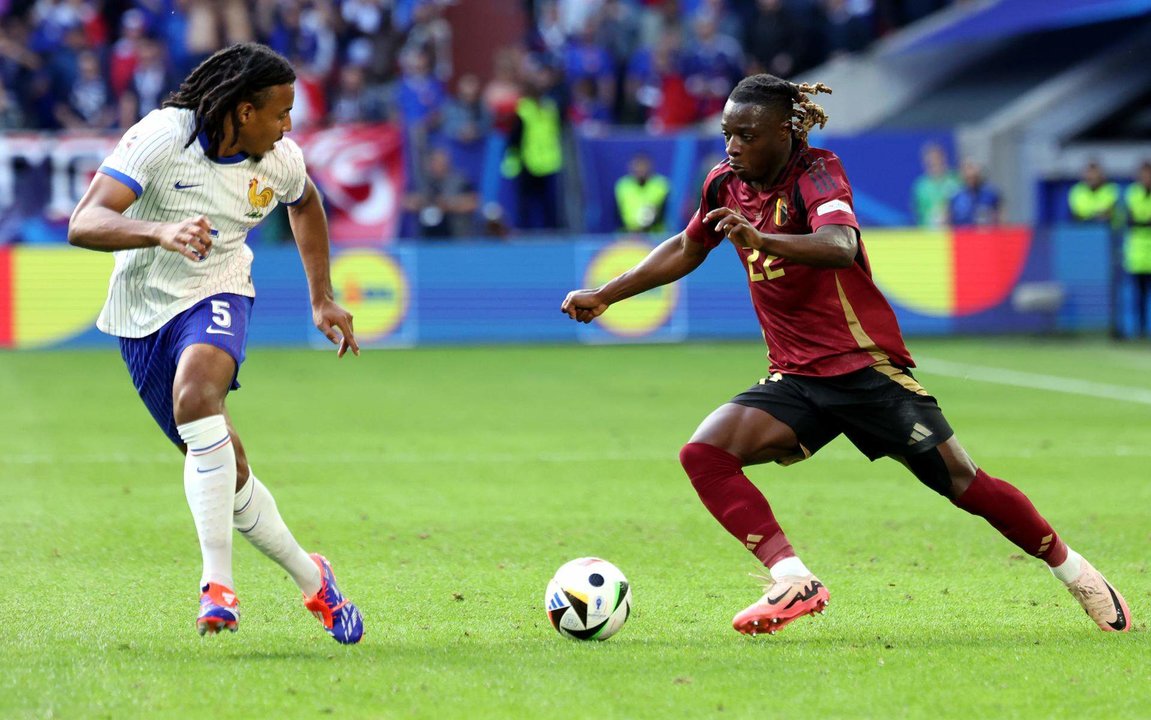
980,79
72,65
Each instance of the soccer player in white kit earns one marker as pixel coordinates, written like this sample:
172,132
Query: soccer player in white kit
175,201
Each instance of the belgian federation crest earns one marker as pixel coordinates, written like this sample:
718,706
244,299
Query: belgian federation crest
781,213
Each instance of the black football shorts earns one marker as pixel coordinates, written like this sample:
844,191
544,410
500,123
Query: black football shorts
882,409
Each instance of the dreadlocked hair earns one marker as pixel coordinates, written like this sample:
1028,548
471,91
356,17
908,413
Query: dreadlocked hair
236,74
787,97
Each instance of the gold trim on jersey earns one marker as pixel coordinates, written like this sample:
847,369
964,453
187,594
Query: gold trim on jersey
882,361
861,337
899,376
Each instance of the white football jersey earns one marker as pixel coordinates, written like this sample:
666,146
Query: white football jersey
150,286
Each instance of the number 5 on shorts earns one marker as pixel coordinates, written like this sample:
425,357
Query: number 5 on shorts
221,313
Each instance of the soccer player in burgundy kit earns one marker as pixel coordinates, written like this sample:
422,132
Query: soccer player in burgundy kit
837,359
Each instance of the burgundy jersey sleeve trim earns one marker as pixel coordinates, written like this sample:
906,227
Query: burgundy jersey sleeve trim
829,198
696,231
712,192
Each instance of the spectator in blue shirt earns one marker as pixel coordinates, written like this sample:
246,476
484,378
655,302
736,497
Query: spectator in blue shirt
466,119
354,101
977,202
87,104
421,95
585,59
151,80
643,90
290,37
713,64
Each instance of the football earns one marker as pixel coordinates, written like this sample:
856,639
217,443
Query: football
588,599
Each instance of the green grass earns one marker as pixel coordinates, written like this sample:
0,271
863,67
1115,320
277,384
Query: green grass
448,484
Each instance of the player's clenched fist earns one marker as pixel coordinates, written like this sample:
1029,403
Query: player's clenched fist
583,305
192,238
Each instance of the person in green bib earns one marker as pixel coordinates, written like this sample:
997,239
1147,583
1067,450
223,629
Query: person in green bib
641,196
932,192
1093,198
1137,244
535,154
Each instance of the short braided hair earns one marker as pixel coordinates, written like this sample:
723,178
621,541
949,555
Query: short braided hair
776,93
240,73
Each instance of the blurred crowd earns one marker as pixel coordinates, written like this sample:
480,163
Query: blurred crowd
662,64
669,63
104,63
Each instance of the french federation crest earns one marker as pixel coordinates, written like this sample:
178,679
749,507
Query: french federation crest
258,199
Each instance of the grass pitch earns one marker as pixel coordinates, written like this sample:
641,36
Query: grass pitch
446,485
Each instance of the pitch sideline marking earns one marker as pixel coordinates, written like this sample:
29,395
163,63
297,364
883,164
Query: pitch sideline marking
1036,381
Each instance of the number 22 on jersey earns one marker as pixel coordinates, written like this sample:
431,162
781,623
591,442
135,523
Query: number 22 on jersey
768,273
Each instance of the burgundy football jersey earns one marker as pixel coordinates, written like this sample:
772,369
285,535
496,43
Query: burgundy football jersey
816,321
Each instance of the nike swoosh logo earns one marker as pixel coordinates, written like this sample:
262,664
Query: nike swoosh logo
217,331
808,592
179,186
1121,619
202,470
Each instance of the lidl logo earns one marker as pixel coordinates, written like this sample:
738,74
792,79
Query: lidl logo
374,288
639,315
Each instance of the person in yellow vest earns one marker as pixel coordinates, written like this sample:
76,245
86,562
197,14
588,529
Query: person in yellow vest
641,196
535,154
1093,198
1137,244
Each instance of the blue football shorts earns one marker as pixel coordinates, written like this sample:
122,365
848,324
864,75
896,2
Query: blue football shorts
220,320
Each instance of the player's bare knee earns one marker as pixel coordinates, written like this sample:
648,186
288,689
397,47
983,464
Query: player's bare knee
193,402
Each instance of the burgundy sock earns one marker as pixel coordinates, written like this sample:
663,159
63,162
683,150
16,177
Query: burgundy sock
1011,513
735,502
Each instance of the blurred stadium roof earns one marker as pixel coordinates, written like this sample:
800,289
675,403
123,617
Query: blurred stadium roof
1003,19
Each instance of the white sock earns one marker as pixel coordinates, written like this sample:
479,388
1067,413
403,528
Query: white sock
789,567
256,517
209,480
1069,570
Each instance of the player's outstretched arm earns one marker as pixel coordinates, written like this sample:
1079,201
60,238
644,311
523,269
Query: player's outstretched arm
310,229
829,246
669,261
98,223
